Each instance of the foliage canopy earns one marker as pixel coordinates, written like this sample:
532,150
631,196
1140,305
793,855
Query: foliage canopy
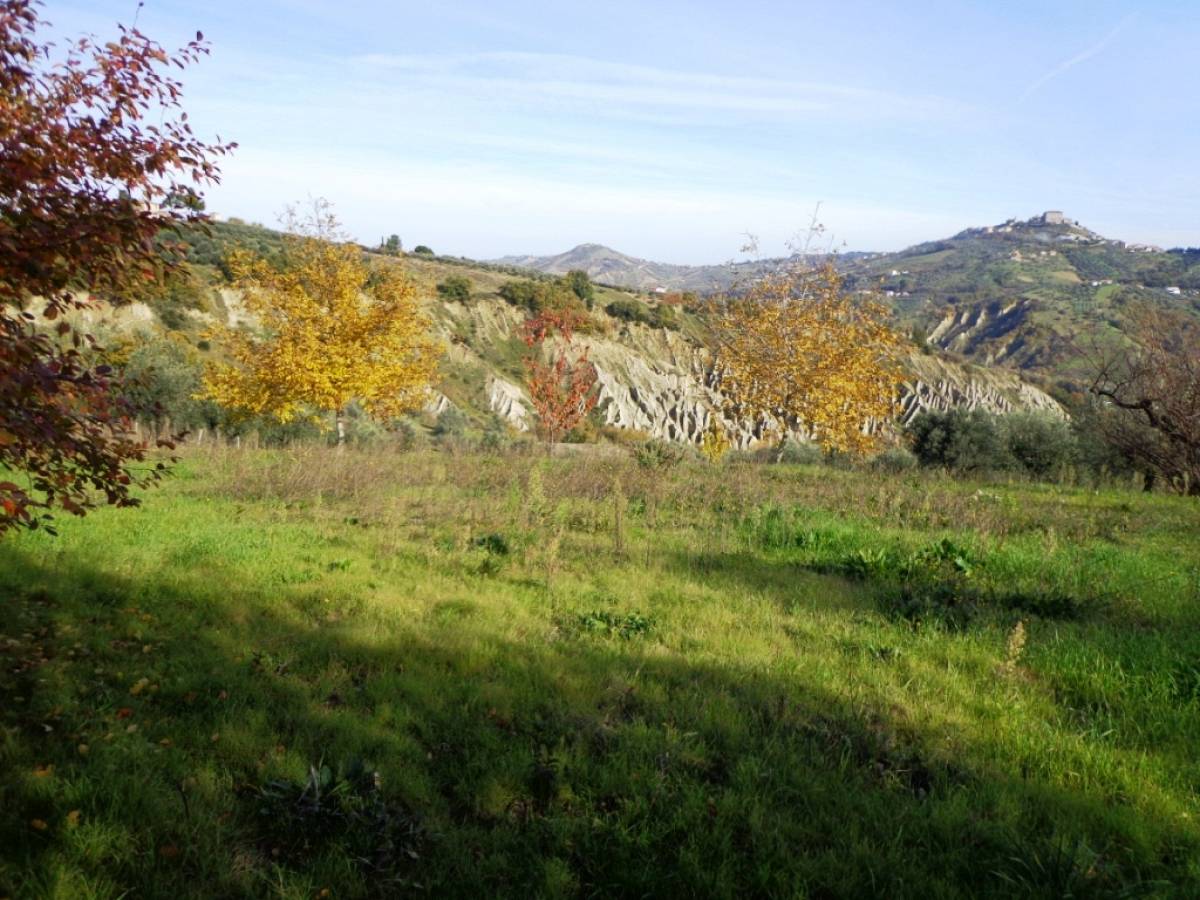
331,329
795,350
87,188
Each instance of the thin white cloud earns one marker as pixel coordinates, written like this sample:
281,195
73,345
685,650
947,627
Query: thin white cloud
1067,64
555,76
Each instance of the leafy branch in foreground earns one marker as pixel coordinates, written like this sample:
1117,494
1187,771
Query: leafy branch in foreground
86,190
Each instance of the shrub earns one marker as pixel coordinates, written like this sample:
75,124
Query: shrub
493,543
163,376
624,437
495,438
962,440
740,457
343,806
455,288
408,434
1096,451
1040,442
270,432
715,443
520,293
799,453
609,624
947,604
362,429
664,317
584,432
629,310
920,339
179,294
450,430
894,460
422,250
656,454
578,282
541,296
1037,443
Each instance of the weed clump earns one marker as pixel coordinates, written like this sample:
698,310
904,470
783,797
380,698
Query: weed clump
493,543
345,808
607,624
657,455
919,603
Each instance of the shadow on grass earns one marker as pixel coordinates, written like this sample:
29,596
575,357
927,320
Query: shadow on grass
588,766
891,584
790,585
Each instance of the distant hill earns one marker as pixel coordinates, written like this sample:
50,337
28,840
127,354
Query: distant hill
608,266
1019,293
1016,293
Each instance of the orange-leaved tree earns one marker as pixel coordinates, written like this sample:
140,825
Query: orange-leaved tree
331,329
795,350
562,388
96,162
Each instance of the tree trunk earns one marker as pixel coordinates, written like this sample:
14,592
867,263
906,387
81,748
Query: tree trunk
340,417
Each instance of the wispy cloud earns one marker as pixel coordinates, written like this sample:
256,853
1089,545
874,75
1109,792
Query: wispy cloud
1067,64
564,77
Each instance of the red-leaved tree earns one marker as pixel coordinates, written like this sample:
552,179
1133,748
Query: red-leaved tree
562,389
97,162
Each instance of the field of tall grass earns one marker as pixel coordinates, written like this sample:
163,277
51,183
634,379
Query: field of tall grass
311,673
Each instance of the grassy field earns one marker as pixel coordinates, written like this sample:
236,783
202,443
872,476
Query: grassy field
311,674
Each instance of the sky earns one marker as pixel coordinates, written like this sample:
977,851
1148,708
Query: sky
667,130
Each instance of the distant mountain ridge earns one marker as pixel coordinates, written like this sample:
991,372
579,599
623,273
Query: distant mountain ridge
608,266
1015,293
1021,293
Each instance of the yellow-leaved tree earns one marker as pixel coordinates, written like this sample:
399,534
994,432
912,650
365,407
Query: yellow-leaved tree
796,350
331,329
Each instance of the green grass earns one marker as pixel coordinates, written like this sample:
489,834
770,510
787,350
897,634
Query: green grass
299,671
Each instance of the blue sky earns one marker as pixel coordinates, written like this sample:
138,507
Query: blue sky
667,129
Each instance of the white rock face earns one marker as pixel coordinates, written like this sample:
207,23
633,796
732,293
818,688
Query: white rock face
660,383
653,393
509,402
437,404
935,384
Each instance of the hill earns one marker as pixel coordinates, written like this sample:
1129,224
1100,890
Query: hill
608,266
651,350
1017,293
